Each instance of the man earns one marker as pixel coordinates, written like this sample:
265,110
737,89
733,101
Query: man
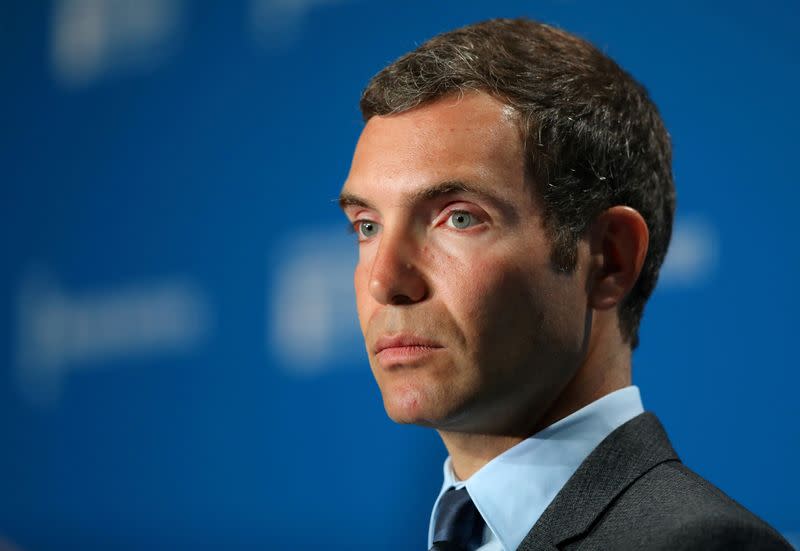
513,200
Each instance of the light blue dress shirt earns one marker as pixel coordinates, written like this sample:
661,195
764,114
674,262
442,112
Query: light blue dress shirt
512,491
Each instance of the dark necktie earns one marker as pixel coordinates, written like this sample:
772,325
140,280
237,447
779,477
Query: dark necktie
459,526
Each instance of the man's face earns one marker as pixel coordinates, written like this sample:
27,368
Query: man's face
467,326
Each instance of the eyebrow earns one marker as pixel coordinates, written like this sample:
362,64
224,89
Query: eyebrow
448,187
350,200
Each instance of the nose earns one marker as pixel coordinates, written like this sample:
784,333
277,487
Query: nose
395,278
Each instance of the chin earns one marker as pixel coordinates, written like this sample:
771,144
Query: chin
404,407
410,405
425,407
425,395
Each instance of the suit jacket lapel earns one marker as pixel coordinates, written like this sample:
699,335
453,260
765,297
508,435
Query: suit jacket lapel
625,455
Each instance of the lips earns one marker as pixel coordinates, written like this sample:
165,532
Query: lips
404,341
404,349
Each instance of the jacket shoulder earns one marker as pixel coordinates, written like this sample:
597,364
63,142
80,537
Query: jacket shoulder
672,507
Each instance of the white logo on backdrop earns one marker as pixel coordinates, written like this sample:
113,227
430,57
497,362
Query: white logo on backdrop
93,37
277,23
313,323
693,253
59,333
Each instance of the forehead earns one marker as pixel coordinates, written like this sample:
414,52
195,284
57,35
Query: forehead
472,137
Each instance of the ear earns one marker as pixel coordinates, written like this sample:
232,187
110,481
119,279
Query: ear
618,242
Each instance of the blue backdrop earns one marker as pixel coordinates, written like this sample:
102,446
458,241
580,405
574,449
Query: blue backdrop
180,363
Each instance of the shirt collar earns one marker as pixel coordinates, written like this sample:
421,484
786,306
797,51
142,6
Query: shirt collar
513,489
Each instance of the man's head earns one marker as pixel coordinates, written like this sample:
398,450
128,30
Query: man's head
592,137
503,191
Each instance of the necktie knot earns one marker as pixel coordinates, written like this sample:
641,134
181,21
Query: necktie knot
458,523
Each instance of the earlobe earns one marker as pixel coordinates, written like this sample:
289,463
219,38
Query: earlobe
618,245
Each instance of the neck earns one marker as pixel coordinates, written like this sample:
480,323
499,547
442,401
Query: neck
602,372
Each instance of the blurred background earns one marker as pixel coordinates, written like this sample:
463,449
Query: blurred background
180,362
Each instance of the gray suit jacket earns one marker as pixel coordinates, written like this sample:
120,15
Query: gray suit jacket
633,492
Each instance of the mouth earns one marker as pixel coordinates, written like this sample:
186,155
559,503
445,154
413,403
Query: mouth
404,349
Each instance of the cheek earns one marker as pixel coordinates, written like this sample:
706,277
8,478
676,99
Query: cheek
507,310
361,286
477,290
497,303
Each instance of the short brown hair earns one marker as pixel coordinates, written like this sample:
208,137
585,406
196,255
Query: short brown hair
592,136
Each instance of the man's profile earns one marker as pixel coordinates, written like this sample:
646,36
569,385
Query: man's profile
513,200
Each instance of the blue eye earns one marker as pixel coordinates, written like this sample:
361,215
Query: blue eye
460,219
366,228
